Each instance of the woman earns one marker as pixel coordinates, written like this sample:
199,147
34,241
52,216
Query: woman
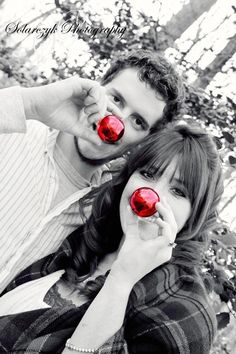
125,287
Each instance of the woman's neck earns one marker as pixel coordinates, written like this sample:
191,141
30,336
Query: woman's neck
106,263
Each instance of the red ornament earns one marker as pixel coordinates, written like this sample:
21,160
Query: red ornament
143,201
110,129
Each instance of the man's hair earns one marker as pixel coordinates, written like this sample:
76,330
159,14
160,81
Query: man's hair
158,73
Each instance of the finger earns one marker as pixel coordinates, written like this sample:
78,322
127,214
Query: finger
79,100
77,87
163,249
93,108
166,230
167,214
103,104
92,88
95,95
98,113
159,243
153,218
150,219
147,229
131,227
93,118
113,109
104,108
86,134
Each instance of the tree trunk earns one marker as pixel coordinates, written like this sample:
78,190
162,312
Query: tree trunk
216,65
189,13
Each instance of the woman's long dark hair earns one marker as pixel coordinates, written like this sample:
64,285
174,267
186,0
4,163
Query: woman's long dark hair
200,171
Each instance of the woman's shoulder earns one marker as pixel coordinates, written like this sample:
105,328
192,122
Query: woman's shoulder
173,311
176,292
168,281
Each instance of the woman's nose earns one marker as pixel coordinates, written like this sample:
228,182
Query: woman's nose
160,189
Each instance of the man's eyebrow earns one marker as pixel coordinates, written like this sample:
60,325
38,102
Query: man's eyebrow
135,114
119,95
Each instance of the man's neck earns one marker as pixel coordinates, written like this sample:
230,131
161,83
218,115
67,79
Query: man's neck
66,144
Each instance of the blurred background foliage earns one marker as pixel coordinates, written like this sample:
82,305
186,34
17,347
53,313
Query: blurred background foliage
197,35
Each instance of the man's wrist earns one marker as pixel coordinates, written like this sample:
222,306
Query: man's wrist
28,97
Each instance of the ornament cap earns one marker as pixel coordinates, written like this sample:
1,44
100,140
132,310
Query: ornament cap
143,201
110,129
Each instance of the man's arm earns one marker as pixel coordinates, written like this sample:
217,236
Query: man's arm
12,113
56,105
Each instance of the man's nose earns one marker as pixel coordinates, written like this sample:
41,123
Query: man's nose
125,112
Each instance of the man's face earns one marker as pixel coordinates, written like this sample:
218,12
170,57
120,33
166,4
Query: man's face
141,108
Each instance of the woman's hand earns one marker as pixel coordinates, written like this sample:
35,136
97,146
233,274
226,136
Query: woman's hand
146,244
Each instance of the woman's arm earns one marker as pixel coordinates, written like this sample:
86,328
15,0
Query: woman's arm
137,257
104,316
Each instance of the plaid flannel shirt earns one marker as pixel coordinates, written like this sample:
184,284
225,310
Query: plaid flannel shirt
167,313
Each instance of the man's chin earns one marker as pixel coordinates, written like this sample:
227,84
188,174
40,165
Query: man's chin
92,161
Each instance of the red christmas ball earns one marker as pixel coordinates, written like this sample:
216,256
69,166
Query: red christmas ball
143,201
110,129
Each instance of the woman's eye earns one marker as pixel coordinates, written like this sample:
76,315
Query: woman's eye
147,175
179,192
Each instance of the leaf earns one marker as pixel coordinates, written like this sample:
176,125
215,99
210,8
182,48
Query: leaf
232,160
222,124
218,288
224,296
222,319
228,137
217,142
231,267
228,240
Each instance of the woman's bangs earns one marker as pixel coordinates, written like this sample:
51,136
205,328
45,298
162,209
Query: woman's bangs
190,159
160,155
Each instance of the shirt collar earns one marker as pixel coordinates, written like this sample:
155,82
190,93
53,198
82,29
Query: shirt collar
101,175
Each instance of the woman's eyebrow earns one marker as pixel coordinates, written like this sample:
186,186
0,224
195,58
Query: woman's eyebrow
178,181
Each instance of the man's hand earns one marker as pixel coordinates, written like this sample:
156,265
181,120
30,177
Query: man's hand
59,105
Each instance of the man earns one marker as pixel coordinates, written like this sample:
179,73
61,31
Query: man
44,172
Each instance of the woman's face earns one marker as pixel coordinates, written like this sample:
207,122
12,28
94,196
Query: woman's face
167,186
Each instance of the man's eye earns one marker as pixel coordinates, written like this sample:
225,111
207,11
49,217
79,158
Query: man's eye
147,175
116,99
137,123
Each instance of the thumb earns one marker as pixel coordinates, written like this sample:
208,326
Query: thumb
83,132
131,226
112,108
